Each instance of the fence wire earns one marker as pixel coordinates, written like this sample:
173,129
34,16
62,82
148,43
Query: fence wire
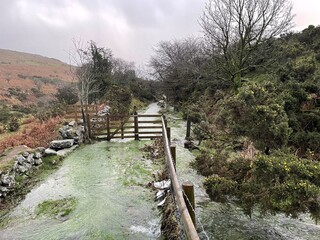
198,222
183,236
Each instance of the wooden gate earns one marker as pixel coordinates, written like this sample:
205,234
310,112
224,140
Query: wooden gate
107,127
138,126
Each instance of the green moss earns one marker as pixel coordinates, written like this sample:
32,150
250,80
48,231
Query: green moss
62,207
4,218
5,166
52,160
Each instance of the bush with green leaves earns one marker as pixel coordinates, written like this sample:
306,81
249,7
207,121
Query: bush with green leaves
13,124
5,114
257,111
49,110
304,67
67,94
37,92
120,100
19,93
280,183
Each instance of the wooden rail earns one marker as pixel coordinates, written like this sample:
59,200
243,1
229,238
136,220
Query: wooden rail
137,126
116,126
188,225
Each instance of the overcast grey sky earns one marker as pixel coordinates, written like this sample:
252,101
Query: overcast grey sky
130,28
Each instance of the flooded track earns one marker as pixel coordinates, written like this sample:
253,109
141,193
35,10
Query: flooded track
108,180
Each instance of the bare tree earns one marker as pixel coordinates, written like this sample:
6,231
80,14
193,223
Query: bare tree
122,71
236,29
92,66
178,65
92,72
82,73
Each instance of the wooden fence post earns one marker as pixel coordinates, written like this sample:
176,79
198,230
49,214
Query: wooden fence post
122,134
188,189
165,121
136,127
75,109
96,109
108,128
169,134
88,125
188,127
173,154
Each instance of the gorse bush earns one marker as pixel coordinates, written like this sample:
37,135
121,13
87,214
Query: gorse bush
13,124
257,111
67,94
278,183
5,114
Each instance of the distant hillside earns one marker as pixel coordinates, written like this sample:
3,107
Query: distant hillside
28,78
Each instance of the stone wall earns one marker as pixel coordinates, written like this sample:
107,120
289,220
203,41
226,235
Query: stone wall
28,161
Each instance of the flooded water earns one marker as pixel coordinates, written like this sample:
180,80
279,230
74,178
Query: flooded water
108,180
227,222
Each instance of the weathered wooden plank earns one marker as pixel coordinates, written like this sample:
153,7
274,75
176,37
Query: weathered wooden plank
149,115
150,127
157,132
152,121
150,137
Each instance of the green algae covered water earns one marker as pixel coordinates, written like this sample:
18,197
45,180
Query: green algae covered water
108,181
227,222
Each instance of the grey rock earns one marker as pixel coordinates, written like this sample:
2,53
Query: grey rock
30,159
25,154
38,161
4,191
64,131
41,149
20,159
77,140
15,166
66,151
23,168
61,144
50,151
8,180
37,155
72,124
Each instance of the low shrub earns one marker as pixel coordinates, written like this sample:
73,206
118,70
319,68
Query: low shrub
13,125
36,134
277,183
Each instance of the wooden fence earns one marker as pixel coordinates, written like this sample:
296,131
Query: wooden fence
107,127
187,221
136,126
73,112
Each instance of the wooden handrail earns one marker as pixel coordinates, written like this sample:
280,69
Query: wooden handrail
190,230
